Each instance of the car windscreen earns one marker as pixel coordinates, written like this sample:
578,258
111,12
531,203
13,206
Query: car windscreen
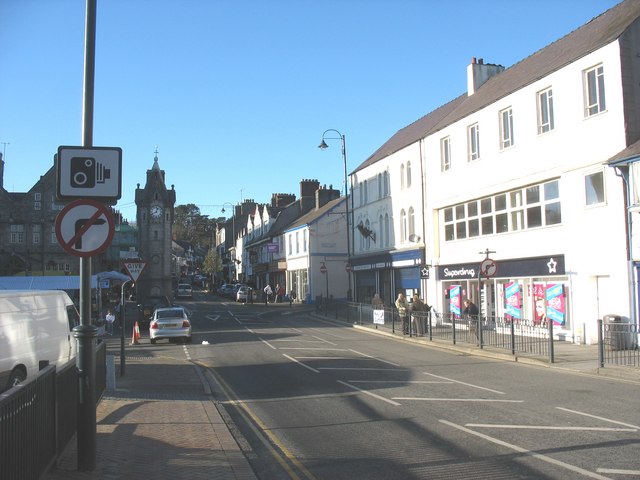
176,312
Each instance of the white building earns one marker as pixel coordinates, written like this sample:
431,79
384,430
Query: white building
515,169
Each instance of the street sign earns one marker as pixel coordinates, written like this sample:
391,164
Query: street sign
323,268
89,172
84,228
134,269
488,268
347,267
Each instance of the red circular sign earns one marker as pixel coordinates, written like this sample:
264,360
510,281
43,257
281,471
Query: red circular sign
85,228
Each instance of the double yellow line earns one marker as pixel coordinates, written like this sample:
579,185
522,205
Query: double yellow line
282,454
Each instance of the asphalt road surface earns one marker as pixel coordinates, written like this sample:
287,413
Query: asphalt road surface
307,398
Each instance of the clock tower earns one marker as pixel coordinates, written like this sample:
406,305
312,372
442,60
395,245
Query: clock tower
154,217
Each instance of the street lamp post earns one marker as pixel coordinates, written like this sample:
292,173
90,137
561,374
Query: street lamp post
322,146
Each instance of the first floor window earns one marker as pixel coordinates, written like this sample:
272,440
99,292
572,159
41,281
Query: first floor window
36,233
594,98
445,154
506,128
594,188
17,234
473,142
545,111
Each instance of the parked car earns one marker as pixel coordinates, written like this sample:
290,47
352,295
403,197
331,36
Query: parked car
242,294
184,290
146,308
170,323
227,290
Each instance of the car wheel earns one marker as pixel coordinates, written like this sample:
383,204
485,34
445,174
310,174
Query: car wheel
16,378
153,341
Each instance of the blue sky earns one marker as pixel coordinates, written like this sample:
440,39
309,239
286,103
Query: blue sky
235,94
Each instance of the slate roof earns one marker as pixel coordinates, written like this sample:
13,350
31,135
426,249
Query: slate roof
316,213
594,34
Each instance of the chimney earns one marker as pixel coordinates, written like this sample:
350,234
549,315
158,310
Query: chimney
325,195
308,188
478,73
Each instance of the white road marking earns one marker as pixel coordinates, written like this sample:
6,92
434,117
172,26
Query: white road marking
538,456
289,399
186,352
598,418
316,348
267,343
366,392
324,358
618,471
213,318
547,427
300,363
467,384
375,358
325,341
295,340
432,399
365,369
398,381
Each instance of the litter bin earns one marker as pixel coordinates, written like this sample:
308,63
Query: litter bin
617,332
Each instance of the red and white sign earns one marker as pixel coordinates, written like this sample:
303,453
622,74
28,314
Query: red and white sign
85,228
488,268
134,269
323,268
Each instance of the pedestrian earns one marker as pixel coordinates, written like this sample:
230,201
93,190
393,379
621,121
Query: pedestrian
377,302
419,311
109,319
267,293
292,296
403,306
471,312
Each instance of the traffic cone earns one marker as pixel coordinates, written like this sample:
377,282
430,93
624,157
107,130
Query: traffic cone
136,334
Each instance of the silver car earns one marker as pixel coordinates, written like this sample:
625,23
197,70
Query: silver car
170,323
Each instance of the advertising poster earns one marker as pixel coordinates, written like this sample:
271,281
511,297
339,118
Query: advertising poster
539,304
556,309
378,317
454,299
513,300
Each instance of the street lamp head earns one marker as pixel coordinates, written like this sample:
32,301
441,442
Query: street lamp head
323,145
223,210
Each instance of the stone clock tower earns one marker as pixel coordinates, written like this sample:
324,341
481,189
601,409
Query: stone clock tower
154,218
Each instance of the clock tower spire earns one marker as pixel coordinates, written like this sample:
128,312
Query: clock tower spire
154,217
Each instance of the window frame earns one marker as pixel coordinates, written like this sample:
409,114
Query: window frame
445,154
507,137
545,113
473,142
600,197
594,85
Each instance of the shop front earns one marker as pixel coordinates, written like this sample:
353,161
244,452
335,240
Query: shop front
535,289
387,274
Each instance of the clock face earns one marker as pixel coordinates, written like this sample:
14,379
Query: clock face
156,211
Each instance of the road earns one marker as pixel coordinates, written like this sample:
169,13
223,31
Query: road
312,399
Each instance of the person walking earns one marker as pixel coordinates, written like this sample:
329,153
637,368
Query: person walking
267,293
109,319
403,307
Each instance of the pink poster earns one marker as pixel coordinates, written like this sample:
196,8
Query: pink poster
556,308
539,305
513,300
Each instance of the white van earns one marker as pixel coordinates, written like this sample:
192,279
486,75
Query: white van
35,330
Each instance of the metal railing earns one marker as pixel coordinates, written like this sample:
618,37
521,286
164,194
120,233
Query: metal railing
514,335
618,344
39,418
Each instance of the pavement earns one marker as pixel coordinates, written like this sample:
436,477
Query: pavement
163,421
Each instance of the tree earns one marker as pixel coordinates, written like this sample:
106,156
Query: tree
212,262
191,226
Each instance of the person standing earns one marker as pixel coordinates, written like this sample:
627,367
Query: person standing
109,319
403,307
377,302
419,311
471,312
